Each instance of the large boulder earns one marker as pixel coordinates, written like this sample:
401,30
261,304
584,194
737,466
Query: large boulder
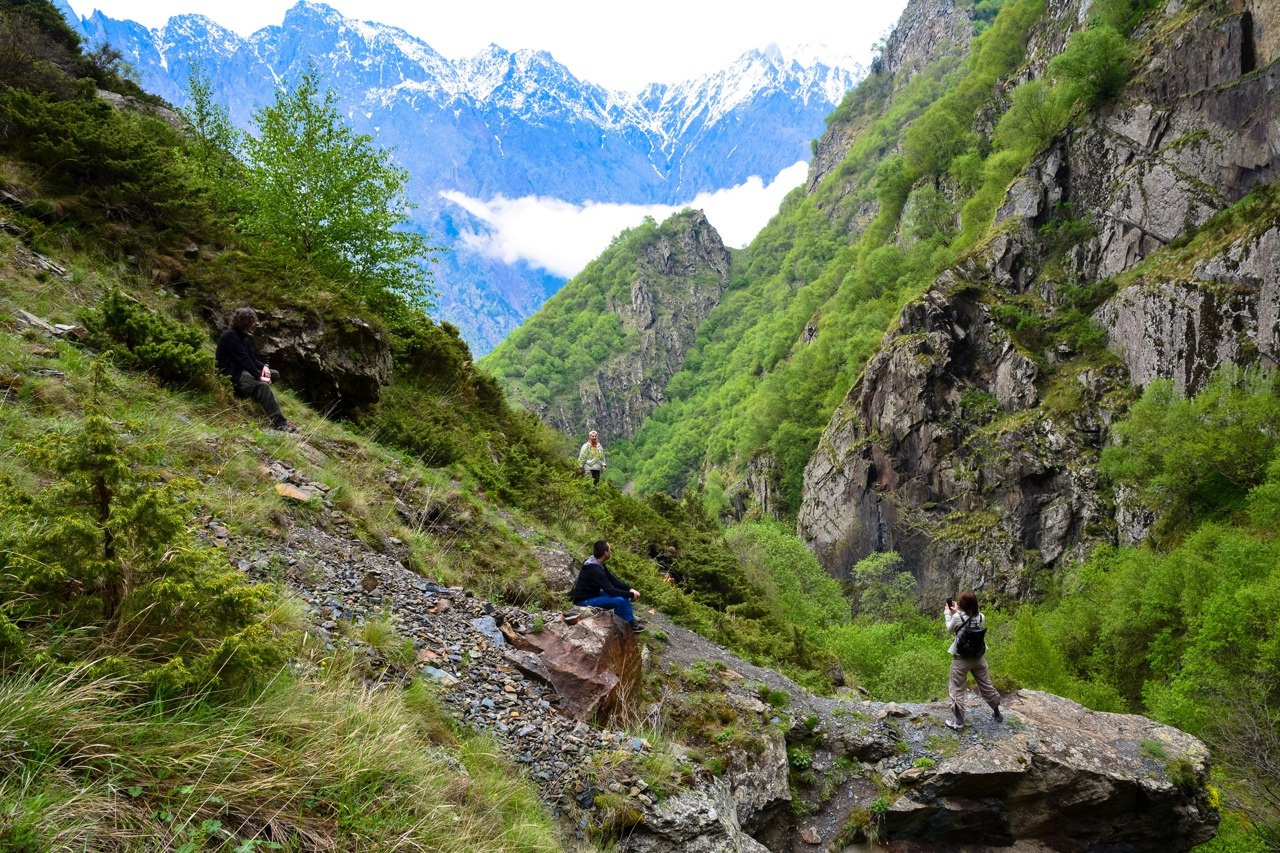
1052,776
1067,778
338,365
594,665
702,820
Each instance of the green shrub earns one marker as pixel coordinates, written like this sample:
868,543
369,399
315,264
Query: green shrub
1095,66
102,555
175,353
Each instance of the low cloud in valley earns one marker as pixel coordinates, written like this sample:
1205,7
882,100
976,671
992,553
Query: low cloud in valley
562,237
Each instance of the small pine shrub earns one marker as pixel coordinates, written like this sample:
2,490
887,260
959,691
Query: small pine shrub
172,351
101,567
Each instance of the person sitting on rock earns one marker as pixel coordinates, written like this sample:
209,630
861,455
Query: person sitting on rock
249,377
598,587
591,458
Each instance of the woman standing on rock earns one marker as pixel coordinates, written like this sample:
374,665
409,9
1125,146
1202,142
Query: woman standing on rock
961,616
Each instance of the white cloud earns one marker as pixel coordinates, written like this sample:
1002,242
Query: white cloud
562,237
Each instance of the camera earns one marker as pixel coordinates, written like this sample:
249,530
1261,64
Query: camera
951,602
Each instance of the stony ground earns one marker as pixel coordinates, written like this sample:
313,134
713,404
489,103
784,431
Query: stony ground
456,641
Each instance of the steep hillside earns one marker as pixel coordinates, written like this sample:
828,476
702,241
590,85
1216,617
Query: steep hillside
352,636
1018,334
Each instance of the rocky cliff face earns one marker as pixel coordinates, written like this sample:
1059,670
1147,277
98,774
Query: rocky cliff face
677,281
927,29
973,455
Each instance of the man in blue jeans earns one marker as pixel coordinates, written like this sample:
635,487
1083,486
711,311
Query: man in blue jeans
598,587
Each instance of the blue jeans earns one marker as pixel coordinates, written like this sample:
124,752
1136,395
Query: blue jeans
621,606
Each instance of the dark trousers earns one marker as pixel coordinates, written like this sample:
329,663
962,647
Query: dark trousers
595,476
260,392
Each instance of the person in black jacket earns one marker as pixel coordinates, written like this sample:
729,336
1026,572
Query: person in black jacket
249,377
598,587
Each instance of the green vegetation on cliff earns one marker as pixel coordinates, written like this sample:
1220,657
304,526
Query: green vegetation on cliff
576,331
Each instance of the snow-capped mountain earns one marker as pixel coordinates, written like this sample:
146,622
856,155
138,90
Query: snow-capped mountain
501,123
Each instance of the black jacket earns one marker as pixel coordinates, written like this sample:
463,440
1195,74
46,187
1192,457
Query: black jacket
235,355
595,581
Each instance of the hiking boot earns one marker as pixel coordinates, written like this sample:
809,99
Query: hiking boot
284,426
637,627
953,724
996,715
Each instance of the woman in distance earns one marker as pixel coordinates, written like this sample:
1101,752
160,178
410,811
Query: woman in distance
960,616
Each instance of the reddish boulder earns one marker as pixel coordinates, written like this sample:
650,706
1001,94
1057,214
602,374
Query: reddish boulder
594,665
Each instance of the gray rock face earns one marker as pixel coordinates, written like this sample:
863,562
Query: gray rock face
702,820
940,453
1183,330
1069,778
677,283
1196,132
986,502
336,367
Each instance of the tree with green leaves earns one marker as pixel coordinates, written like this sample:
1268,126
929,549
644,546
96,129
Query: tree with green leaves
321,194
214,144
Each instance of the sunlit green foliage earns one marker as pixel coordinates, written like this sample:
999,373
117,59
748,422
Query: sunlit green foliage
319,193
1095,66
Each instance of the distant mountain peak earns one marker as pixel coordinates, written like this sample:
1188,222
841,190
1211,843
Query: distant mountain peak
516,124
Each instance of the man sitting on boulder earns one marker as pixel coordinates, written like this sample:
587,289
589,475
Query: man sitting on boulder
598,587
249,377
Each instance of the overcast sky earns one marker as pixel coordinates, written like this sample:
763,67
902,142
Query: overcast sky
621,45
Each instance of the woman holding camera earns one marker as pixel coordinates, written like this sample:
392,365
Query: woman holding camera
960,616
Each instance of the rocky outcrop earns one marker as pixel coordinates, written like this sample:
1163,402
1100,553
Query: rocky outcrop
926,29
909,463
760,490
593,665
1067,778
1193,135
941,451
704,820
1227,312
678,279
337,365
1053,776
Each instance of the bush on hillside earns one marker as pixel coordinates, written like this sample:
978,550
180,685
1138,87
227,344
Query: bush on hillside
1187,456
97,565
174,352
1095,66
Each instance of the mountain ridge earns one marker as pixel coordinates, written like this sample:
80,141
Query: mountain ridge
500,124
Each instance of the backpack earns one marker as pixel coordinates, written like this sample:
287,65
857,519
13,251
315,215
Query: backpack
972,642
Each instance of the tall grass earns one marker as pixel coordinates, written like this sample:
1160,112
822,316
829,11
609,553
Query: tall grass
306,764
